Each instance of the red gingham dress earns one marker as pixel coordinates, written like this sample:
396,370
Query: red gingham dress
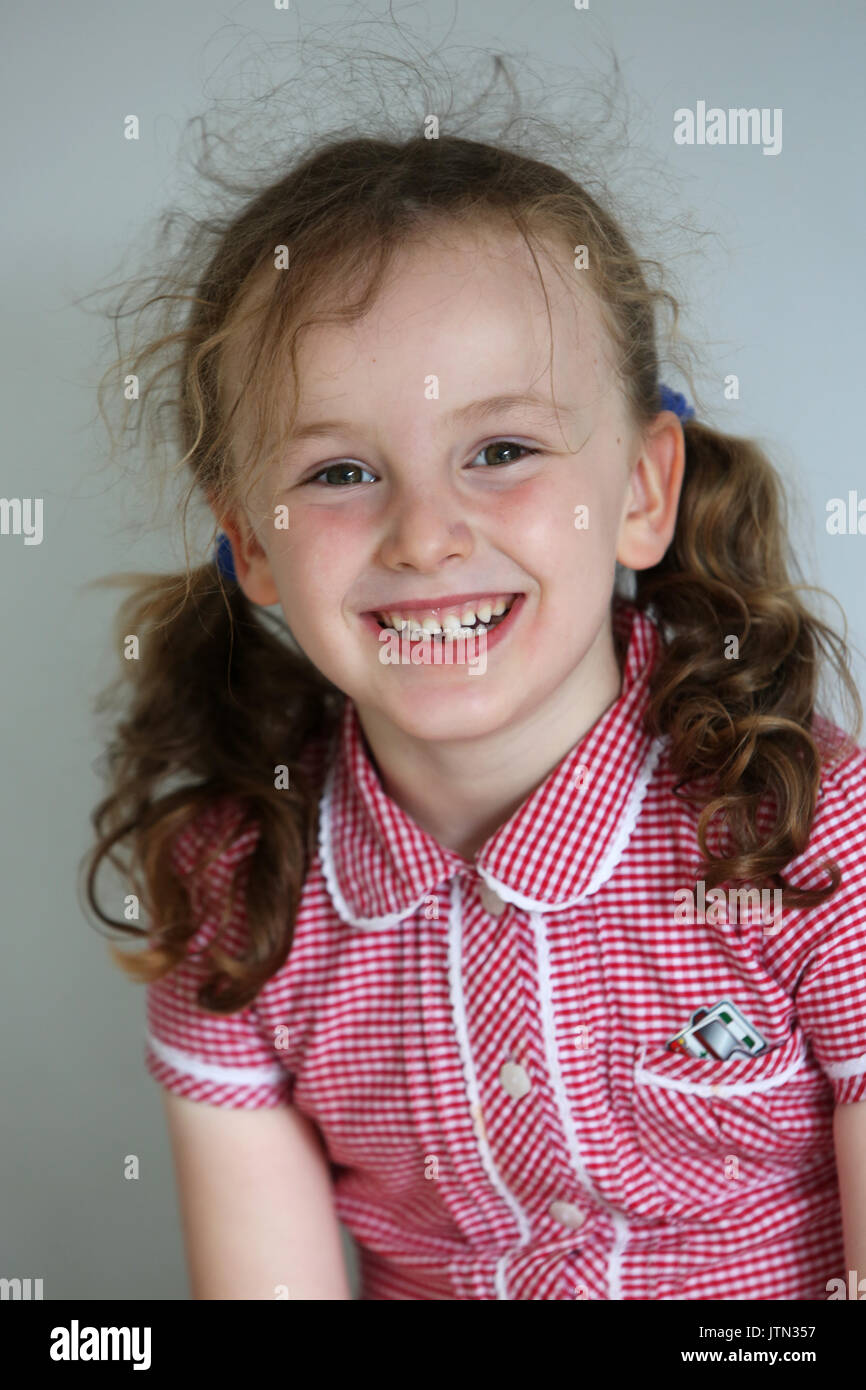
483,1046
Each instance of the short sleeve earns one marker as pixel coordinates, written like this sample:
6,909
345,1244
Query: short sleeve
830,991
831,1006
822,958
221,1059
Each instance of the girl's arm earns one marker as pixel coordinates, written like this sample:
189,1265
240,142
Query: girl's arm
849,1134
256,1203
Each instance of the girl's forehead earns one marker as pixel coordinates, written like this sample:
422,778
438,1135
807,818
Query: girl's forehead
461,301
489,270
477,271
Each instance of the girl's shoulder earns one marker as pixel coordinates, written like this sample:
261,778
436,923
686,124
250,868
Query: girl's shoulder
838,831
843,771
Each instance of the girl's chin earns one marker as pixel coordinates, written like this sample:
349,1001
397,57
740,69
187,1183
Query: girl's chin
434,722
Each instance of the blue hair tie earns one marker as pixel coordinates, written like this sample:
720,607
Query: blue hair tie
672,400
223,558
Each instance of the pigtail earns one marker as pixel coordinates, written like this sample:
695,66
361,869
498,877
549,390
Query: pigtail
214,705
736,684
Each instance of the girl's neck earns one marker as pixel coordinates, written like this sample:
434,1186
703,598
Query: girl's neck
462,792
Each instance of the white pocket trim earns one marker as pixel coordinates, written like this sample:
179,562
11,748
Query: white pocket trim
719,1088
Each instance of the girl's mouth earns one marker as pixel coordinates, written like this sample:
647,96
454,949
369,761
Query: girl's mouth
473,622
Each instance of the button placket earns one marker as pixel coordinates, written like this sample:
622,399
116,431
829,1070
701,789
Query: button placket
515,1080
469,947
516,1123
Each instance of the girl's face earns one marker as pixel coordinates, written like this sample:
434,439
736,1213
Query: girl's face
416,490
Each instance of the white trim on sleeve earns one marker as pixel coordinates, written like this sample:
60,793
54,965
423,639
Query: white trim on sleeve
211,1071
838,1070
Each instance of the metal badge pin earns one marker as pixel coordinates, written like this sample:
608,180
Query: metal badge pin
719,1032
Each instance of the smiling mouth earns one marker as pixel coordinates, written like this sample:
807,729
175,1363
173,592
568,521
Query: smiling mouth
475,616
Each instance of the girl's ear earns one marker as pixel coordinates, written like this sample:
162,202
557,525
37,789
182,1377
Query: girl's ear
653,493
252,566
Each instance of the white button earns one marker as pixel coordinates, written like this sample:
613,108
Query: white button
567,1213
515,1079
491,901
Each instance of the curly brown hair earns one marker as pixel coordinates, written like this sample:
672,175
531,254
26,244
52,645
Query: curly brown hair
219,698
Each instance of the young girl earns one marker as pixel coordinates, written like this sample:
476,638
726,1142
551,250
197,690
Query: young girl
468,919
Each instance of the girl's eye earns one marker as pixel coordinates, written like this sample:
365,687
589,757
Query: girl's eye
509,446
331,474
348,474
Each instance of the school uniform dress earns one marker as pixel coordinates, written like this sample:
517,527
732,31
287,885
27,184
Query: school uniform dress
483,1046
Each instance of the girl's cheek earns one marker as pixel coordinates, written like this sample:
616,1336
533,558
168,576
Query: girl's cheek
540,514
547,500
321,537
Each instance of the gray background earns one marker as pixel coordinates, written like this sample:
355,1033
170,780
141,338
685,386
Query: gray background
776,295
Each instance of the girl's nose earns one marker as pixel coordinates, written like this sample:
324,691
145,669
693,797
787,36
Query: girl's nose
423,527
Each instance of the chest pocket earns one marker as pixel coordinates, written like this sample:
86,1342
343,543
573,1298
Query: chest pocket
776,1107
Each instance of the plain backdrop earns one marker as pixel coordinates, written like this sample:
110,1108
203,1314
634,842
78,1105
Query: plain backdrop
776,295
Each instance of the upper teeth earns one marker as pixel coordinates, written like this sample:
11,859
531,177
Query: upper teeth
438,620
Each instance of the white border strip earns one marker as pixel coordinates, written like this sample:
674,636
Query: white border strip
566,1118
470,1076
839,1070
211,1071
326,854
610,859
720,1088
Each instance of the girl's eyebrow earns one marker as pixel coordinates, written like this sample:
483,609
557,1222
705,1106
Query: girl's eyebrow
492,405
474,410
